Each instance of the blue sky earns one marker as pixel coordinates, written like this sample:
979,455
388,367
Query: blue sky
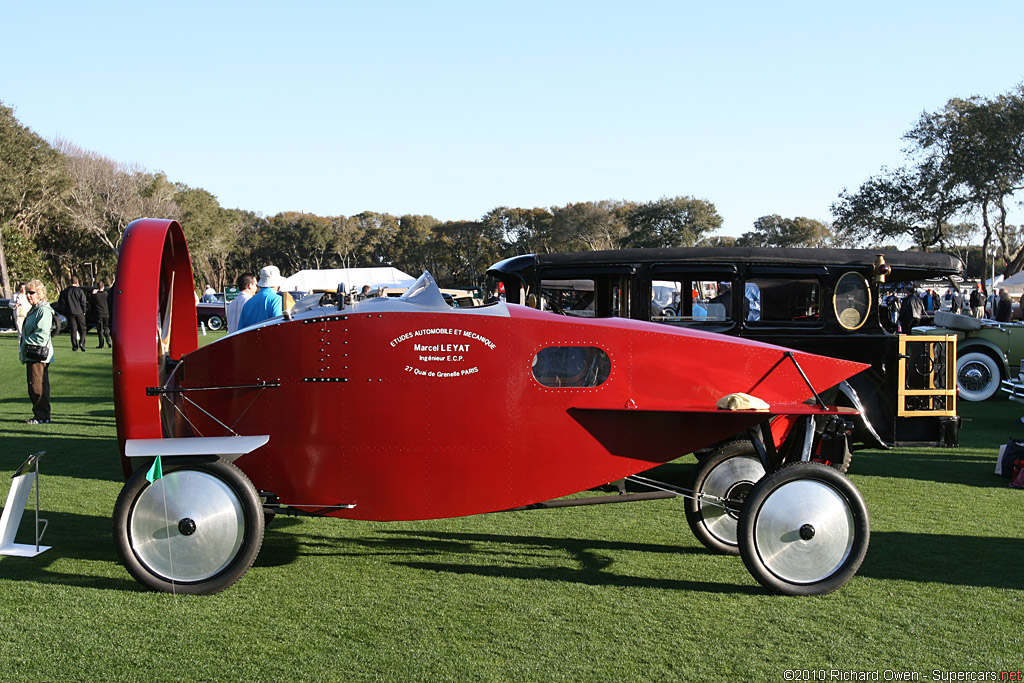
454,108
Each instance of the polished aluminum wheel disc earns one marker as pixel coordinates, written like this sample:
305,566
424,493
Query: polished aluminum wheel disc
733,478
187,526
804,531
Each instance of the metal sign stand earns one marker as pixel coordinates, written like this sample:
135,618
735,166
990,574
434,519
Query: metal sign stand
17,498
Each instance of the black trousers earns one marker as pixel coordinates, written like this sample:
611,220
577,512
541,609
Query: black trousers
38,375
76,326
103,330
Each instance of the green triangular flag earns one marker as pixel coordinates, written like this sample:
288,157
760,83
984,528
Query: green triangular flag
156,471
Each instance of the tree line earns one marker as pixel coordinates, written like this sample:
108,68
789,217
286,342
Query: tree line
64,210
964,162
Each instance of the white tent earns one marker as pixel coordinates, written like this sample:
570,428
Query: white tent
307,280
1014,283
991,285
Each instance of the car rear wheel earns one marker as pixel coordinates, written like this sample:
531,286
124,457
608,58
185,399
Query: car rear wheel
977,376
214,323
728,474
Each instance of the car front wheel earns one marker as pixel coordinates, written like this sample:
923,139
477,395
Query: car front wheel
197,530
804,530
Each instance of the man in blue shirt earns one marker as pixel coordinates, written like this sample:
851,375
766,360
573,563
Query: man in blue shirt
265,303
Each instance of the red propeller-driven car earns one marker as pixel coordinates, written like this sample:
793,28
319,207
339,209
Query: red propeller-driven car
293,416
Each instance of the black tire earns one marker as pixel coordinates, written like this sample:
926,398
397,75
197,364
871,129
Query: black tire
804,530
730,472
206,517
214,323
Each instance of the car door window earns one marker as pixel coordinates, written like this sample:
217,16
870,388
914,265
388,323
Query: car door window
690,300
784,299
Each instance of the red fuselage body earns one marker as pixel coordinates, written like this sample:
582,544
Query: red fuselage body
418,412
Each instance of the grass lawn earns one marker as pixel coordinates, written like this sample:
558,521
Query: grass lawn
602,593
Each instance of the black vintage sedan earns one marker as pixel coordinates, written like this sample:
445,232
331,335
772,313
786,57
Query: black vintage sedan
60,323
825,301
213,314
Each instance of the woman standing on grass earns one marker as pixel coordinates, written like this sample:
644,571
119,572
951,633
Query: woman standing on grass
35,350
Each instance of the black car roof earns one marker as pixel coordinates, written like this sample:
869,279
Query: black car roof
926,262
766,255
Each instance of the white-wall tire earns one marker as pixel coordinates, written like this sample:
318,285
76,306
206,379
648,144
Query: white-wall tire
977,376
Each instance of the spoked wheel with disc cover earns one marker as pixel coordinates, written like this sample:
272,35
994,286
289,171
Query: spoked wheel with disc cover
196,530
977,376
804,530
720,485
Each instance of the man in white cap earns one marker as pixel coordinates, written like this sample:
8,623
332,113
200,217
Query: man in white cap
265,303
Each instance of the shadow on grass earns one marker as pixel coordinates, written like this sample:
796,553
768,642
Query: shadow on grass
279,549
82,538
57,400
81,457
584,576
593,565
982,562
922,558
677,473
943,467
89,539
979,561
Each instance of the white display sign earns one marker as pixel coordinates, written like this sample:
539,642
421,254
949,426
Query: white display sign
17,499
